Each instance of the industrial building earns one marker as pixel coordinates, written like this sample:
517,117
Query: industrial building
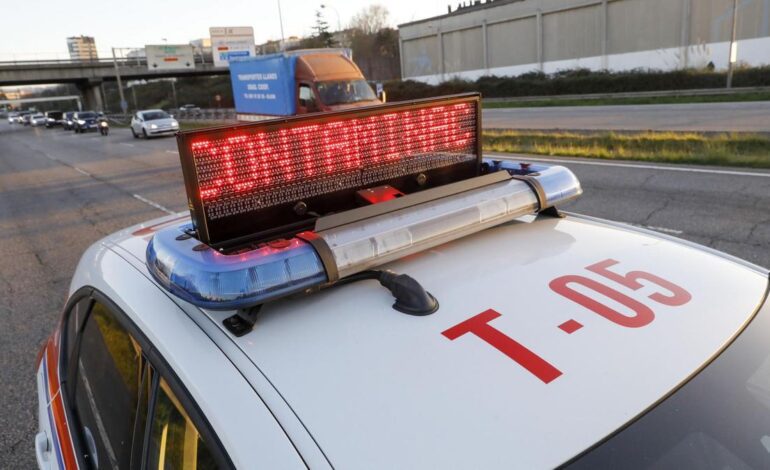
511,37
82,48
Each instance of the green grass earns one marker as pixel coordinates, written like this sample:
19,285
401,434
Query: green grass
727,149
546,102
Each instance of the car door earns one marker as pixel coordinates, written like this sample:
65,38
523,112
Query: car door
128,409
136,123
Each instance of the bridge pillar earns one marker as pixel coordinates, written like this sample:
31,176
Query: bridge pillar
92,96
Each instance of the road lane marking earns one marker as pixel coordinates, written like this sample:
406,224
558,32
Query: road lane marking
127,144
172,151
82,172
631,165
153,204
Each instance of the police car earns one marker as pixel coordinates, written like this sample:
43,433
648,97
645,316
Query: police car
361,289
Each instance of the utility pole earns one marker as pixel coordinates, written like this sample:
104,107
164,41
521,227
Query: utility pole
123,102
173,91
280,20
339,25
133,93
733,47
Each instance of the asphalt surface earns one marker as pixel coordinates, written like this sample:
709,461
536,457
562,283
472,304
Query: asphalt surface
707,117
60,192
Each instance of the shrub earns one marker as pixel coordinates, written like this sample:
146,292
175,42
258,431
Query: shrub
580,81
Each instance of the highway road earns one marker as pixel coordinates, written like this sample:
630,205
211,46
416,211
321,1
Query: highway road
707,117
60,192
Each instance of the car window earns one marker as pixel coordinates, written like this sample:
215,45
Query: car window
75,319
109,372
175,442
154,115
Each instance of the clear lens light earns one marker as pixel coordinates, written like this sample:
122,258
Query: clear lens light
153,126
360,246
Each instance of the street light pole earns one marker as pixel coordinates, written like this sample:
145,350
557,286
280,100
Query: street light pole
280,20
173,90
123,103
733,47
339,25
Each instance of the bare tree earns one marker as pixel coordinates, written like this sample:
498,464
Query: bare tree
374,43
371,19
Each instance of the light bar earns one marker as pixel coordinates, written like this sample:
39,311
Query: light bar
271,176
209,279
214,280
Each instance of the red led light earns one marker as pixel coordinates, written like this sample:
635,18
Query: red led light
263,167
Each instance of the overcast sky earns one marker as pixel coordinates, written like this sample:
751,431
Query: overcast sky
40,27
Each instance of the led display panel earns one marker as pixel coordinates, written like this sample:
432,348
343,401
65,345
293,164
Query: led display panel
275,177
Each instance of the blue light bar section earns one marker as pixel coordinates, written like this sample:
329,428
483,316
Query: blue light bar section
212,280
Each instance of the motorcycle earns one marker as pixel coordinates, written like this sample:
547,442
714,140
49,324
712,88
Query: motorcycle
104,127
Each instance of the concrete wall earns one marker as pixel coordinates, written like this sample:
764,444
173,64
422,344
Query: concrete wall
511,37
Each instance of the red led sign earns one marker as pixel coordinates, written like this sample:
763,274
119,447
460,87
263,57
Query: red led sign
248,179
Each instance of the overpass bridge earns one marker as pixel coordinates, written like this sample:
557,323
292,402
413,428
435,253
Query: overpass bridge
88,76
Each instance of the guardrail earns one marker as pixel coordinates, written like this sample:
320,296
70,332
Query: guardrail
204,114
634,94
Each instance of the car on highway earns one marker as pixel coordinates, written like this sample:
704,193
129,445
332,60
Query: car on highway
68,121
190,110
153,122
37,120
25,118
12,117
364,289
84,121
53,118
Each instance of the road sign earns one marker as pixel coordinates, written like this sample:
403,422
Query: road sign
170,57
231,42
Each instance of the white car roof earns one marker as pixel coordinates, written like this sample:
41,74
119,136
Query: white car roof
379,389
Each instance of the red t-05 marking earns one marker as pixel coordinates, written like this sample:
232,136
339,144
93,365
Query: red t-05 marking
479,326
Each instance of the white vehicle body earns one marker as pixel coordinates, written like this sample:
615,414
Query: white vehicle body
145,124
13,118
337,379
37,120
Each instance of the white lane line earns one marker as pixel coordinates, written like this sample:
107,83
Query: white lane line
126,144
82,172
172,151
153,204
630,165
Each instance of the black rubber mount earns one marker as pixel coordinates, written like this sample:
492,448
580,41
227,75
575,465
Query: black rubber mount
243,321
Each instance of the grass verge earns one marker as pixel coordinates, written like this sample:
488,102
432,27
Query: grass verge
728,149
545,102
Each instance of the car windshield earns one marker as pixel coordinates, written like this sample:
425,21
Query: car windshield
719,419
86,115
154,115
345,91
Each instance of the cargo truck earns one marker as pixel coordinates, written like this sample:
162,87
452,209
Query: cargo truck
298,82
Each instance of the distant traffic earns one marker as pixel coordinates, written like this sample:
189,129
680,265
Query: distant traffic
144,123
